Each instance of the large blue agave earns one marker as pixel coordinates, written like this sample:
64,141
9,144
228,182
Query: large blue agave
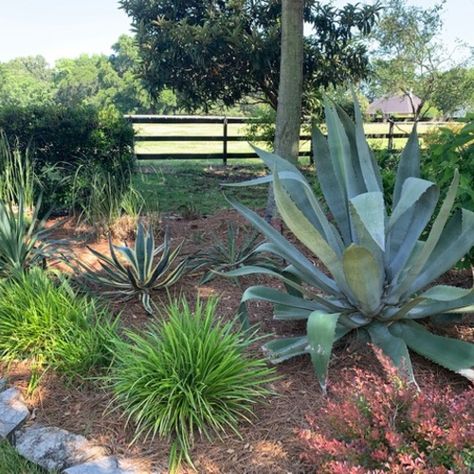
380,271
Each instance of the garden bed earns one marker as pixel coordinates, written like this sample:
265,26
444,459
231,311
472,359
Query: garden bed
270,445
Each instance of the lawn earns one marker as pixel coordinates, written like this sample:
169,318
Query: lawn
13,463
184,130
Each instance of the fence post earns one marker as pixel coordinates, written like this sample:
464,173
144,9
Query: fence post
224,155
390,134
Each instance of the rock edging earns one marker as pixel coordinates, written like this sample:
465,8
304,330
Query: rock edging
54,449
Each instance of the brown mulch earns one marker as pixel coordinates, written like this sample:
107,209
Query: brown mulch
269,445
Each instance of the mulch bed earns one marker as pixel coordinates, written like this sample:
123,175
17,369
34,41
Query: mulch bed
269,445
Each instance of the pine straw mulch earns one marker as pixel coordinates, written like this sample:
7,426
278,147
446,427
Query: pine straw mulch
269,445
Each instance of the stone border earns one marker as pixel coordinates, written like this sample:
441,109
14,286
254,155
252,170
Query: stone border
51,448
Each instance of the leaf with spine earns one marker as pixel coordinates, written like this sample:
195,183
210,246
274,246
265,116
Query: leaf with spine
331,186
433,237
442,299
305,232
409,165
370,211
283,349
393,347
364,277
321,331
340,151
368,166
452,354
456,240
287,251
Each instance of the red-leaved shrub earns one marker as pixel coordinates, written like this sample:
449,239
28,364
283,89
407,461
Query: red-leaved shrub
372,424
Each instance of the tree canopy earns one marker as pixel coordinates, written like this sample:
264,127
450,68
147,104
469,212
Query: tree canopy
409,57
224,50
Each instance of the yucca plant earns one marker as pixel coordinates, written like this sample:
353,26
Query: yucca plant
132,271
380,271
236,250
23,238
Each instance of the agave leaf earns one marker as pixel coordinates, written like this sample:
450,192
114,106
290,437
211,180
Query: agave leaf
350,130
412,190
393,347
369,168
287,251
364,277
409,165
370,211
455,241
446,319
321,331
305,232
433,237
283,349
441,299
452,354
340,150
140,251
332,188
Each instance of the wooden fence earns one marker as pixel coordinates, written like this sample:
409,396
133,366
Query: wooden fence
223,138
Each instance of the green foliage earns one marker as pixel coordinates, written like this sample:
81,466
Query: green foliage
130,272
62,138
231,50
185,376
48,322
379,267
12,463
448,149
17,175
239,248
410,57
23,243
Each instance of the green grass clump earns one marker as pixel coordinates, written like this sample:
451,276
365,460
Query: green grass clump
188,375
12,463
48,322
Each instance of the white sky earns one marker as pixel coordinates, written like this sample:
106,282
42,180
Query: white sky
67,28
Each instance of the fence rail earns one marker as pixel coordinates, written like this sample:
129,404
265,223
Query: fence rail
223,138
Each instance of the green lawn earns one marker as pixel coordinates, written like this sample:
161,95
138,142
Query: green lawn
12,463
195,185
240,130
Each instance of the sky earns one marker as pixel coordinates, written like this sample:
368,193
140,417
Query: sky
67,28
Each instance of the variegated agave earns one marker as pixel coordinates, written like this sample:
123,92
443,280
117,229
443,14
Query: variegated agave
379,270
136,271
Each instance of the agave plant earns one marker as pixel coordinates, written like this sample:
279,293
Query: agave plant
23,236
234,251
135,271
379,271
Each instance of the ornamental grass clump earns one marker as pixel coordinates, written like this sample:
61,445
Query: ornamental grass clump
384,425
185,376
380,267
42,319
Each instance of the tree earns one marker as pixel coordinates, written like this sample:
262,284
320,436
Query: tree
410,58
224,50
25,80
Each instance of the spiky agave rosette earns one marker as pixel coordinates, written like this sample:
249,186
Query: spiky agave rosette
379,267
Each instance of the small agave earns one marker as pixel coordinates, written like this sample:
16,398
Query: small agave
135,271
379,268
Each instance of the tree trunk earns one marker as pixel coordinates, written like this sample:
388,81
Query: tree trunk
290,89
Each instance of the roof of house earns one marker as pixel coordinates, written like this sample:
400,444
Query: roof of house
398,104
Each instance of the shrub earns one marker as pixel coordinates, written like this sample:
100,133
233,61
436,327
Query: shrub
377,425
185,376
450,148
379,268
68,137
48,322
130,272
